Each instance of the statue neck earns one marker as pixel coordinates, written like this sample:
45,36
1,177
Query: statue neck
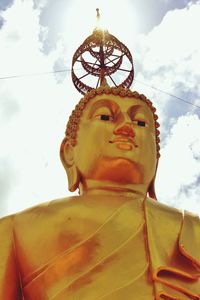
95,187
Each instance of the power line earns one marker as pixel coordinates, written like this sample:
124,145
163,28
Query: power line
164,92
69,70
34,74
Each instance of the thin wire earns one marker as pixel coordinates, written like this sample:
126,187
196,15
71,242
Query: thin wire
69,70
164,92
35,74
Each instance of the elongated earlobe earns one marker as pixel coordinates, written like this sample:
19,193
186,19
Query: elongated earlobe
67,158
151,189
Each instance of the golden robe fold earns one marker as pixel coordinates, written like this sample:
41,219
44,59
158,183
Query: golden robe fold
94,248
175,271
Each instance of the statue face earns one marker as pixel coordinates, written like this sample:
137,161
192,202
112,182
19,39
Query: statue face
116,141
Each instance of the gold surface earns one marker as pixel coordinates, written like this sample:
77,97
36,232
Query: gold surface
93,247
111,242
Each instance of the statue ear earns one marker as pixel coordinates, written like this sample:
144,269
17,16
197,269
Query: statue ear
67,158
151,189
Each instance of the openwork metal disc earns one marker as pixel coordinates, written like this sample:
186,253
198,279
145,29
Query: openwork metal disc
102,57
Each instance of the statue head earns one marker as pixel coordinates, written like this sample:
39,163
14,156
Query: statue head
111,138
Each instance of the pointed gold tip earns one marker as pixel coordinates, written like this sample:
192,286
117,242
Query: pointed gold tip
98,14
104,82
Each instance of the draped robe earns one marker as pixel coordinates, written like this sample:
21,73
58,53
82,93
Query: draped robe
96,248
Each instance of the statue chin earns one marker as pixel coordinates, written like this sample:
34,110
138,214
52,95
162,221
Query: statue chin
118,170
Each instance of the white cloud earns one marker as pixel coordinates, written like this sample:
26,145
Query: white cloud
179,169
34,109
33,113
170,56
174,39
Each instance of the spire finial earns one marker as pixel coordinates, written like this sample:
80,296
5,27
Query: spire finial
99,58
98,14
98,17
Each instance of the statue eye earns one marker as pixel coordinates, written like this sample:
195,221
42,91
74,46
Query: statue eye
140,123
104,117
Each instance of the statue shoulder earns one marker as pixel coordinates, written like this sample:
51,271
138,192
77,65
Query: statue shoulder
6,221
6,233
10,287
59,213
45,211
187,216
6,226
153,205
174,224
189,240
78,207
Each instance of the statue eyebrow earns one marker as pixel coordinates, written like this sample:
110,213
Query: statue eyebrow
114,107
104,103
135,108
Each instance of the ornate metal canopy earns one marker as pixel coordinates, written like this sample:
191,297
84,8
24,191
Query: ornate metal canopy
102,58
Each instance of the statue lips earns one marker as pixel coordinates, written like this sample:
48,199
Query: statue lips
124,142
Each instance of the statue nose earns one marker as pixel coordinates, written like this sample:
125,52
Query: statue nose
125,129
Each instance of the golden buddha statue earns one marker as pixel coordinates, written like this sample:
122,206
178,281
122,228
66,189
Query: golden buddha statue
114,241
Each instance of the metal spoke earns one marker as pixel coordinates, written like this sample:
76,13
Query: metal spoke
116,55
98,82
83,76
124,70
112,80
95,63
111,61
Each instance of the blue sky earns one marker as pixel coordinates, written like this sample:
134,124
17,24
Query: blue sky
42,35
